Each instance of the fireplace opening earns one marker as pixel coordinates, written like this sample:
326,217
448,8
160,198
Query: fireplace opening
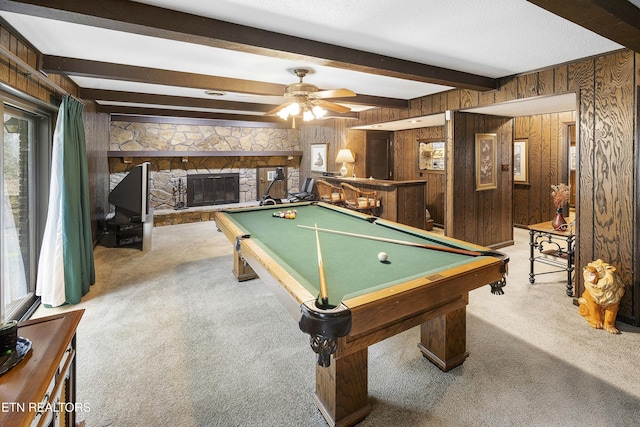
213,189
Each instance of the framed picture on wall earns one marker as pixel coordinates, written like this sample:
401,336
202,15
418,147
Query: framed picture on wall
319,157
521,161
486,161
430,155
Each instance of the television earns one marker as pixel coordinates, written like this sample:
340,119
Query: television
131,196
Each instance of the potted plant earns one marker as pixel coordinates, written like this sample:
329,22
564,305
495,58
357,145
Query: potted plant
560,196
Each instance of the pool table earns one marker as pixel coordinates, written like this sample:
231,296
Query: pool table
425,281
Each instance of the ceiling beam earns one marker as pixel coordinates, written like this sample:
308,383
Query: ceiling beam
196,121
143,111
617,20
375,101
178,101
138,18
106,70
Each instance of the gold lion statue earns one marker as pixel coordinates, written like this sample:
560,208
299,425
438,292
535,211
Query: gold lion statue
600,300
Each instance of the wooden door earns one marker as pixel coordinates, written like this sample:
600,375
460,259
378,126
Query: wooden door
379,155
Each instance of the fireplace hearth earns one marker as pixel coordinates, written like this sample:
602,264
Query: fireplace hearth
213,189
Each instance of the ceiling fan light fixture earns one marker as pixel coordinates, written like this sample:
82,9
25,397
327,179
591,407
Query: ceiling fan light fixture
308,102
293,109
307,115
318,111
283,114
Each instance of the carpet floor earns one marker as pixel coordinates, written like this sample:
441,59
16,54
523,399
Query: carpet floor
169,338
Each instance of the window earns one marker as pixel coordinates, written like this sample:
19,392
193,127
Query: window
24,160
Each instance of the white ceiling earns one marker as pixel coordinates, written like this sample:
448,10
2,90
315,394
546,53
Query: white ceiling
492,38
517,108
530,106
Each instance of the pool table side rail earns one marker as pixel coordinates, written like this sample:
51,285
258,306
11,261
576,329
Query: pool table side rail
414,299
290,206
258,259
345,210
353,343
430,235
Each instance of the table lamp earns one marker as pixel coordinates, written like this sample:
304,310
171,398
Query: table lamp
345,156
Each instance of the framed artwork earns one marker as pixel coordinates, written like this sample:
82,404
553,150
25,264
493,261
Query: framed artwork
486,161
521,161
319,157
431,155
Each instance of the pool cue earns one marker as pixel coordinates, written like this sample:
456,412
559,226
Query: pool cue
324,294
398,242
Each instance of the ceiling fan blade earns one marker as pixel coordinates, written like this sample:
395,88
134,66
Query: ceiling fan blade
337,108
278,108
334,93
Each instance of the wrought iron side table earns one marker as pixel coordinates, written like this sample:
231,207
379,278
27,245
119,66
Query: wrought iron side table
552,247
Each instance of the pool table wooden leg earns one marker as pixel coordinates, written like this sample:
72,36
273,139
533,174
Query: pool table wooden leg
241,269
443,339
341,389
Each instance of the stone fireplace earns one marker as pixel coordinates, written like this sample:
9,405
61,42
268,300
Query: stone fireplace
177,151
213,189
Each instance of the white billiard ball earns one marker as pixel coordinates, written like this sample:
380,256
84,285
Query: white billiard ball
382,256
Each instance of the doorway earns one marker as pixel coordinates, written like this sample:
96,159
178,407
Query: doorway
573,160
379,155
24,137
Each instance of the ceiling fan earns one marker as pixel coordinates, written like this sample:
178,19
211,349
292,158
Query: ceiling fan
307,101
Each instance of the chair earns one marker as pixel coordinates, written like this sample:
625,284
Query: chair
360,200
305,192
329,193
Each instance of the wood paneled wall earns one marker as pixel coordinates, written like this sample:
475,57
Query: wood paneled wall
96,125
13,75
406,167
607,171
336,135
548,165
481,217
608,193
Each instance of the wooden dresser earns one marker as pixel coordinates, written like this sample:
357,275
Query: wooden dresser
401,201
41,389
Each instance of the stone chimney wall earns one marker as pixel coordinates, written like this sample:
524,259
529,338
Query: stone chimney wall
177,141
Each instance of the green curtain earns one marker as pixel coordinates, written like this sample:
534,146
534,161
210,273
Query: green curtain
79,272
65,267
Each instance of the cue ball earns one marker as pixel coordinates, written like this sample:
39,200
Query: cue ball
382,256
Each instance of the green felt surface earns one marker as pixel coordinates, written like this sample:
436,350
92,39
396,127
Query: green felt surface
351,264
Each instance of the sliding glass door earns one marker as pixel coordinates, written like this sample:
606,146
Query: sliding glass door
20,217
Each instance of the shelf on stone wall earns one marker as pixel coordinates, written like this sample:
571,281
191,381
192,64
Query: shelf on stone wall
128,155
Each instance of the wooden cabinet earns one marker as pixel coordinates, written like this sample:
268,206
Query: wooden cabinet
41,389
401,201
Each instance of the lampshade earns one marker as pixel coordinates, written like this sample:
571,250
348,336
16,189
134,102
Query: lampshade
345,155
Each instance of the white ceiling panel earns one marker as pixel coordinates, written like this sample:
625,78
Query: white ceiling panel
492,38
487,38
97,44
